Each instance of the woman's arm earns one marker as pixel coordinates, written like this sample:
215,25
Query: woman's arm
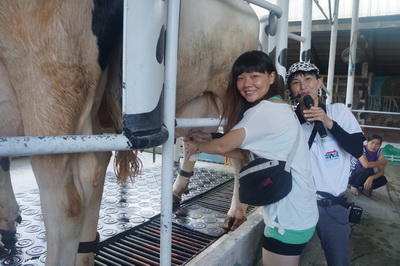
381,161
235,154
381,167
352,143
380,172
226,145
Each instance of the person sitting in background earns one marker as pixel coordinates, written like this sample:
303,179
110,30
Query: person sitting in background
363,173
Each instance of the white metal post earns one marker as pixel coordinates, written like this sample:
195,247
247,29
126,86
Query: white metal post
171,64
282,39
352,55
332,53
272,36
262,35
306,24
277,9
269,46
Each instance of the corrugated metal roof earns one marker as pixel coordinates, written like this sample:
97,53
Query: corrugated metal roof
367,8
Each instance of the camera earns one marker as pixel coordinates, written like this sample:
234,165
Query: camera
355,213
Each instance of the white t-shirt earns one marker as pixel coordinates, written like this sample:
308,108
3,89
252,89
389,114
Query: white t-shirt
271,130
331,163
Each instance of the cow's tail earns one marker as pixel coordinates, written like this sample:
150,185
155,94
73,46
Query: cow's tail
126,163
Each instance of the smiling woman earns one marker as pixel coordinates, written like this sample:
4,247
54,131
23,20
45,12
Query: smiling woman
255,128
252,86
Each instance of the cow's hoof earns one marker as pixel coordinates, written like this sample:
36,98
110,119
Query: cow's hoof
7,239
232,223
229,220
176,200
238,222
176,197
6,235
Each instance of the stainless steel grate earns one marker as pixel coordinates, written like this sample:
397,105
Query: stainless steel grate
197,224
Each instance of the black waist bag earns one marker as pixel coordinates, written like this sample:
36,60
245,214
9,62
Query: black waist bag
264,182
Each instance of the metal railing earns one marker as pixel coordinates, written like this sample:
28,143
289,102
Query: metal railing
374,104
392,158
383,103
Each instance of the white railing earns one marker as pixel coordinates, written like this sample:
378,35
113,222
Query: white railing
392,158
383,103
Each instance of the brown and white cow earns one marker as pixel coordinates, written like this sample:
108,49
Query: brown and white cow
54,72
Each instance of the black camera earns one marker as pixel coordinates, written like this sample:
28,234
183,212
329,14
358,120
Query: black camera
355,213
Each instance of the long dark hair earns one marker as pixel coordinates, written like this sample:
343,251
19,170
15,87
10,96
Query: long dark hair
235,105
375,136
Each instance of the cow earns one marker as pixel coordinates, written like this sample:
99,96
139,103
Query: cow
211,64
59,73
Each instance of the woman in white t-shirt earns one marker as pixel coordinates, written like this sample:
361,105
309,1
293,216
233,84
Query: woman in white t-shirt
259,121
330,156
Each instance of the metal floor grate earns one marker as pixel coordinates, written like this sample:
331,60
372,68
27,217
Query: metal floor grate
142,246
197,224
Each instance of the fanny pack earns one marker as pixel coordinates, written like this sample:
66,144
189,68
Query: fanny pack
263,181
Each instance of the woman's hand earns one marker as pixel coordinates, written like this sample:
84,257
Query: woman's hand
317,113
368,182
191,147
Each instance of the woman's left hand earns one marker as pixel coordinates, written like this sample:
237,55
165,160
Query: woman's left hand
368,183
191,147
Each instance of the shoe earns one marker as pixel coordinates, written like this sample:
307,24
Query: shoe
367,192
354,190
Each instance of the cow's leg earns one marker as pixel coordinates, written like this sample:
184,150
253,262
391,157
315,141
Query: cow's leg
205,105
65,201
10,125
93,192
9,210
181,184
237,212
62,206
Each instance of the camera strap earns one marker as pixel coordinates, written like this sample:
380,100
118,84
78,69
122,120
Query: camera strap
312,137
314,131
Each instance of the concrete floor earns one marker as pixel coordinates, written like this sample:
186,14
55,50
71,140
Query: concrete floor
374,241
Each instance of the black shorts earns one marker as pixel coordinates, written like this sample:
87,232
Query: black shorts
278,247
